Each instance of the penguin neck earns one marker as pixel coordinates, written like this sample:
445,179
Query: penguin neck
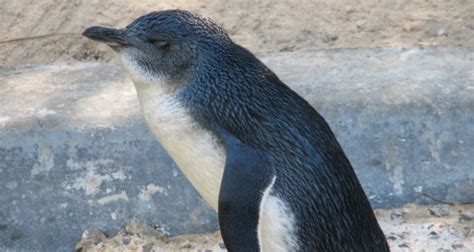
152,84
156,87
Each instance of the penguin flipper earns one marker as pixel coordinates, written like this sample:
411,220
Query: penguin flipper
246,175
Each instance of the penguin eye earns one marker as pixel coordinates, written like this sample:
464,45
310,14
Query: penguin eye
162,44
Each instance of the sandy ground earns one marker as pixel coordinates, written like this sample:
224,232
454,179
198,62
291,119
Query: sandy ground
410,228
40,32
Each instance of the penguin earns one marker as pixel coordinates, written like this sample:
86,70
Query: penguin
260,154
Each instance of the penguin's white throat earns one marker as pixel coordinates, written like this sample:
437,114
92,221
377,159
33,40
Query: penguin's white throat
143,78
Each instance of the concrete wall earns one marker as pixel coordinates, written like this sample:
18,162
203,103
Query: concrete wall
75,152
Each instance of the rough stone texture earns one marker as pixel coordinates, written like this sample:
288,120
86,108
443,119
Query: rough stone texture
75,152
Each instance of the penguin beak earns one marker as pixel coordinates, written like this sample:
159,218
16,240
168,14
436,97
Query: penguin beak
114,38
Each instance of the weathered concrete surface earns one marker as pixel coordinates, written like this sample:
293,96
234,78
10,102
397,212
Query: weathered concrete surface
75,152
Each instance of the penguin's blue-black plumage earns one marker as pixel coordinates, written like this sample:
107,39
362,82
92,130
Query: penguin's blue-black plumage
280,152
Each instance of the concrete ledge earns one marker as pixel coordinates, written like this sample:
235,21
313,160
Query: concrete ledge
75,152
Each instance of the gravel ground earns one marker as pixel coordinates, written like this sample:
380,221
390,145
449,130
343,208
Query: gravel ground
410,228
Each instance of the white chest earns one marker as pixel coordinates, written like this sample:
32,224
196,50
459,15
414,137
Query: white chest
194,149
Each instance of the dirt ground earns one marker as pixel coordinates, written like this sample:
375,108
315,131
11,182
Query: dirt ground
40,32
410,228
48,31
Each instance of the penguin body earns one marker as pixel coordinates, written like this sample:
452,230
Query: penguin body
252,147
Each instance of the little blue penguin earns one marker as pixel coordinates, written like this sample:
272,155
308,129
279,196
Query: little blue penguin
252,147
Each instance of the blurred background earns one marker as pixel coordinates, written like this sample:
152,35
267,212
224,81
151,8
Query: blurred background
79,168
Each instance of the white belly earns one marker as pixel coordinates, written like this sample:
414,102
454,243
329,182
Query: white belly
276,224
195,150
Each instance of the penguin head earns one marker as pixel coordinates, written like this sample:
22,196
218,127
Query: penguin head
166,44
